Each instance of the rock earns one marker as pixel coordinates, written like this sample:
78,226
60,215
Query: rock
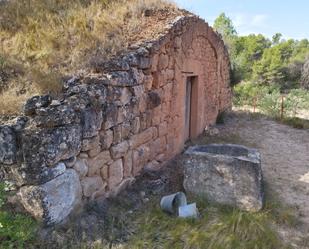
115,174
90,143
120,78
153,166
153,100
142,137
91,185
44,148
8,147
211,131
96,163
81,167
91,122
120,150
53,201
110,116
140,157
106,139
20,123
36,102
115,65
226,174
127,164
70,162
54,116
125,96
121,187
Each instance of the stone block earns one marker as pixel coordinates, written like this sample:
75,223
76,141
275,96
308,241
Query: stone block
148,80
91,185
156,116
81,167
163,61
140,158
163,129
91,122
104,172
127,164
110,115
106,139
95,151
53,201
55,116
226,174
8,148
98,162
126,130
157,146
142,137
135,125
44,148
115,172
125,96
90,143
117,133
119,150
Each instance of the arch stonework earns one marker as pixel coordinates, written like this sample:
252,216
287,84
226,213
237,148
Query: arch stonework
111,123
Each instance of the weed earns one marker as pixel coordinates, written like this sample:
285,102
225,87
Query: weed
16,230
295,122
219,227
52,38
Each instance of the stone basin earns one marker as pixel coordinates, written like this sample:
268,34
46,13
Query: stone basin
228,174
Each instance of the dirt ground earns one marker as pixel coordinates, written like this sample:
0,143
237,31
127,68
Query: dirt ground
285,163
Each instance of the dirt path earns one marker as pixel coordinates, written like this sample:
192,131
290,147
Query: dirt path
285,163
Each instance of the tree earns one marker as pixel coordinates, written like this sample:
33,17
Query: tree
276,38
248,50
224,26
305,75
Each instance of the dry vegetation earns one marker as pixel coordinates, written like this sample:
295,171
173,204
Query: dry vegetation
44,40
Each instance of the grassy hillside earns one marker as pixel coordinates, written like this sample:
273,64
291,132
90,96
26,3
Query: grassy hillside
44,40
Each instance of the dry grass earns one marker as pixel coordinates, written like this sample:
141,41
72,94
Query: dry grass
52,38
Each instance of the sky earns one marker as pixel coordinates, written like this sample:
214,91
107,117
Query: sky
267,17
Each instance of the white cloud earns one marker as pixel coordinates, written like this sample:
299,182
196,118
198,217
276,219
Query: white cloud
247,24
259,20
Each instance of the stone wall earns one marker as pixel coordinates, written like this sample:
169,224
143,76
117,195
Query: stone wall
109,124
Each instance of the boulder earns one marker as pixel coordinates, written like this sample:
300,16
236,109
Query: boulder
53,201
226,174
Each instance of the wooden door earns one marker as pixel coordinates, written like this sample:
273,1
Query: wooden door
188,108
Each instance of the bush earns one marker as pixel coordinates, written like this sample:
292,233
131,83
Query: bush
270,103
305,75
268,99
295,100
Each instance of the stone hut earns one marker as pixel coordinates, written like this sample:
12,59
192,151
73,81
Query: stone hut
137,111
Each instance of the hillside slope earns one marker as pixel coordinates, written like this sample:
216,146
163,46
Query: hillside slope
42,42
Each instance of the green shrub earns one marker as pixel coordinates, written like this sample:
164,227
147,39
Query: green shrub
270,103
296,99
